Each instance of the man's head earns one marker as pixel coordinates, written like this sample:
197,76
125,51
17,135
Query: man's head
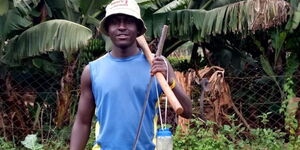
124,7
122,30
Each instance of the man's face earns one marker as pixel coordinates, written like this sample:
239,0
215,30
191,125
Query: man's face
122,30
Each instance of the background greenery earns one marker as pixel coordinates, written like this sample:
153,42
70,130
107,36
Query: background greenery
44,44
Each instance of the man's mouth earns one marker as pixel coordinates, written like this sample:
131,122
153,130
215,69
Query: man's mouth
122,36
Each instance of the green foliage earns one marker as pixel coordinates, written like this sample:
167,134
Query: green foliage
269,71
92,137
179,64
94,50
6,144
88,6
264,117
190,24
198,24
3,7
25,7
267,67
278,39
232,131
294,20
91,8
60,140
47,66
288,106
266,138
231,59
31,142
294,143
173,5
48,36
203,136
56,145
13,22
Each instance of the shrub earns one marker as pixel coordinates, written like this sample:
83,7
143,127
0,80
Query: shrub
7,145
179,64
203,136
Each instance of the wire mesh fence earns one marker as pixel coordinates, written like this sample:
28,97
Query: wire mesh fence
28,102
256,95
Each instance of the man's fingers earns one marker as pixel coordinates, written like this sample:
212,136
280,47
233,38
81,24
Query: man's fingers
159,65
158,62
156,69
158,59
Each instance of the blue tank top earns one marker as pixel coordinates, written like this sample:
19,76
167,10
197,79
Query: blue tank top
119,87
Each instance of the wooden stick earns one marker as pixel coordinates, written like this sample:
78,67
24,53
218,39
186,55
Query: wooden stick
162,40
160,77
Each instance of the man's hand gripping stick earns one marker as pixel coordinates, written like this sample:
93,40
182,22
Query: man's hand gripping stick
160,77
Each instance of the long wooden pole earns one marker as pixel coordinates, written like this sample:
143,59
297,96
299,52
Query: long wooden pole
160,77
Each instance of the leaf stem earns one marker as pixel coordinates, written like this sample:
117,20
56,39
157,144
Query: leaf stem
87,12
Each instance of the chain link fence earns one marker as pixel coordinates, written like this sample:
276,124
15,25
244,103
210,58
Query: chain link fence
28,106
256,94
28,102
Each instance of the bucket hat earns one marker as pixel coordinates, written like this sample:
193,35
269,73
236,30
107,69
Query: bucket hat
126,7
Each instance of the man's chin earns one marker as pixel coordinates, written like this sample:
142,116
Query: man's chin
123,45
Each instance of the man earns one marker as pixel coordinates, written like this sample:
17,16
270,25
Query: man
114,86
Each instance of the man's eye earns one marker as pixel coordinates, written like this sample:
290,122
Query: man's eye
130,21
114,21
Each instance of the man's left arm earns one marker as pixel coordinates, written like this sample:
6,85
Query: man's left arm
159,64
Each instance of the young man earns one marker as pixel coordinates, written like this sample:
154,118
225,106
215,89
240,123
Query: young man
114,86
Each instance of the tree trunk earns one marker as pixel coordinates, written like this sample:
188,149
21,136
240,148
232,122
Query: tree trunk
195,57
298,120
64,95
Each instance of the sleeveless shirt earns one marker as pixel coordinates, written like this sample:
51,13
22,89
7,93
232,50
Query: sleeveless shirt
119,88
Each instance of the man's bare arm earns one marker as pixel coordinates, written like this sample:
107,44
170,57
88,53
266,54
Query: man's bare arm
182,97
85,112
159,65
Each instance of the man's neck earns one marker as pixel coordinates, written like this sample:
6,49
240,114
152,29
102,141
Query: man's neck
124,52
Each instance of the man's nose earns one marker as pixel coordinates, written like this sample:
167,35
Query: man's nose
122,24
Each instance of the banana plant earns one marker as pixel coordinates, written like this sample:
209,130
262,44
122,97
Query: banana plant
34,28
26,33
202,21
289,44
46,37
198,24
271,27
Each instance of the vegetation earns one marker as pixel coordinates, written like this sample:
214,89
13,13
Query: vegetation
57,38
7,144
200,136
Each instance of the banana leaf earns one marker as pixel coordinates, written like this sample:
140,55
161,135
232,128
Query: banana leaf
235,17
53,35
25,6
13,22
3,7
173,5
